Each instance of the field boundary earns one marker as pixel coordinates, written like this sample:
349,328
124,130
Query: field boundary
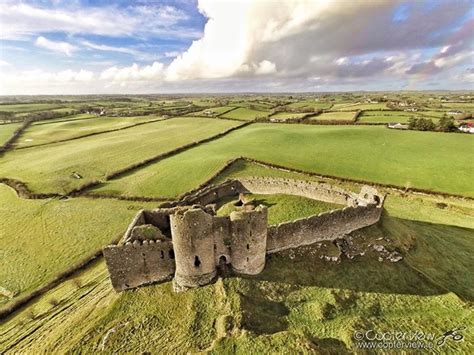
58,279
8,144
128,169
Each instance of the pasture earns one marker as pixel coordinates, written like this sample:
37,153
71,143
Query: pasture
300,303
335,116
213,111
359,106
287,116
386,116
54,235
7,130
31,107
369,153
245,114
310,105
51,168
63,130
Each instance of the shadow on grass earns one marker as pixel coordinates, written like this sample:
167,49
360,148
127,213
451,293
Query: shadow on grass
436,261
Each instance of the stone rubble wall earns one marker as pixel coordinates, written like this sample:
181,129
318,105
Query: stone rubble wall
310,189
132,265
325,226
201,240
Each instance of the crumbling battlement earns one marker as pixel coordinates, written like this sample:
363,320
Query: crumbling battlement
188,241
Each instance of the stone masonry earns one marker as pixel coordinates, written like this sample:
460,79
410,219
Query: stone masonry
189,243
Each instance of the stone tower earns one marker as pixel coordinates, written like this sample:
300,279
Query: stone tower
193,243
249,240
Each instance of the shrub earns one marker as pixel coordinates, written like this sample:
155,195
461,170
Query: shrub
446,124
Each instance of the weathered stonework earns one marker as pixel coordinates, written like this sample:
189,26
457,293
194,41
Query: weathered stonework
190,243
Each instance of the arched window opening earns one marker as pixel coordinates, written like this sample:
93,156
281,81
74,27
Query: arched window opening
197,262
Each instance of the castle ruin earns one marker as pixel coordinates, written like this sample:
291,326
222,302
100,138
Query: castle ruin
186,241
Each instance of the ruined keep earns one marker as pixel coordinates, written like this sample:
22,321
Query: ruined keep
188,243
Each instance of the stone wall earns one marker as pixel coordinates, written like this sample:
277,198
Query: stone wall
194,241
131,265
310,189
325,226
270,185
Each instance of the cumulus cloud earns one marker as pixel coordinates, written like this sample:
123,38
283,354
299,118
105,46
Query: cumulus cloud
261,45
265,67
133,73
55,46
307,38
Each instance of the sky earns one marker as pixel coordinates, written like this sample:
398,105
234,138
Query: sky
172,46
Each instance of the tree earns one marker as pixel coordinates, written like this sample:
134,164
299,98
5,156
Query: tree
446,124
412,123
424,124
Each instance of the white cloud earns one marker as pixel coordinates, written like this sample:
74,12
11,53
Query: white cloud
304,38
133,73
56,46
265,67
20,20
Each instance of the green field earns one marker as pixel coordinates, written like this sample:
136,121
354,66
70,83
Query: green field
358,106
368,153
21,108
215,111
301,303
52,132
81,116
335,116
386,116
245,114
50,168
287,116
54,235
310,105
467,106
282,208
7,130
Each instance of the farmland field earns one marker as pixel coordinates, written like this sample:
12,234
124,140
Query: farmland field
311,105
386,116
80,116
335,116
59,233
215,111
56,131
369,153
245,114
50,168
287,115
358,106
304,301
21,108
7,130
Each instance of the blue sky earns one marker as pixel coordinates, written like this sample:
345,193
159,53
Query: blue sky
51,47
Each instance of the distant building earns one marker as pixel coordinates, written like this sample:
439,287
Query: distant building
397,125
466,128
